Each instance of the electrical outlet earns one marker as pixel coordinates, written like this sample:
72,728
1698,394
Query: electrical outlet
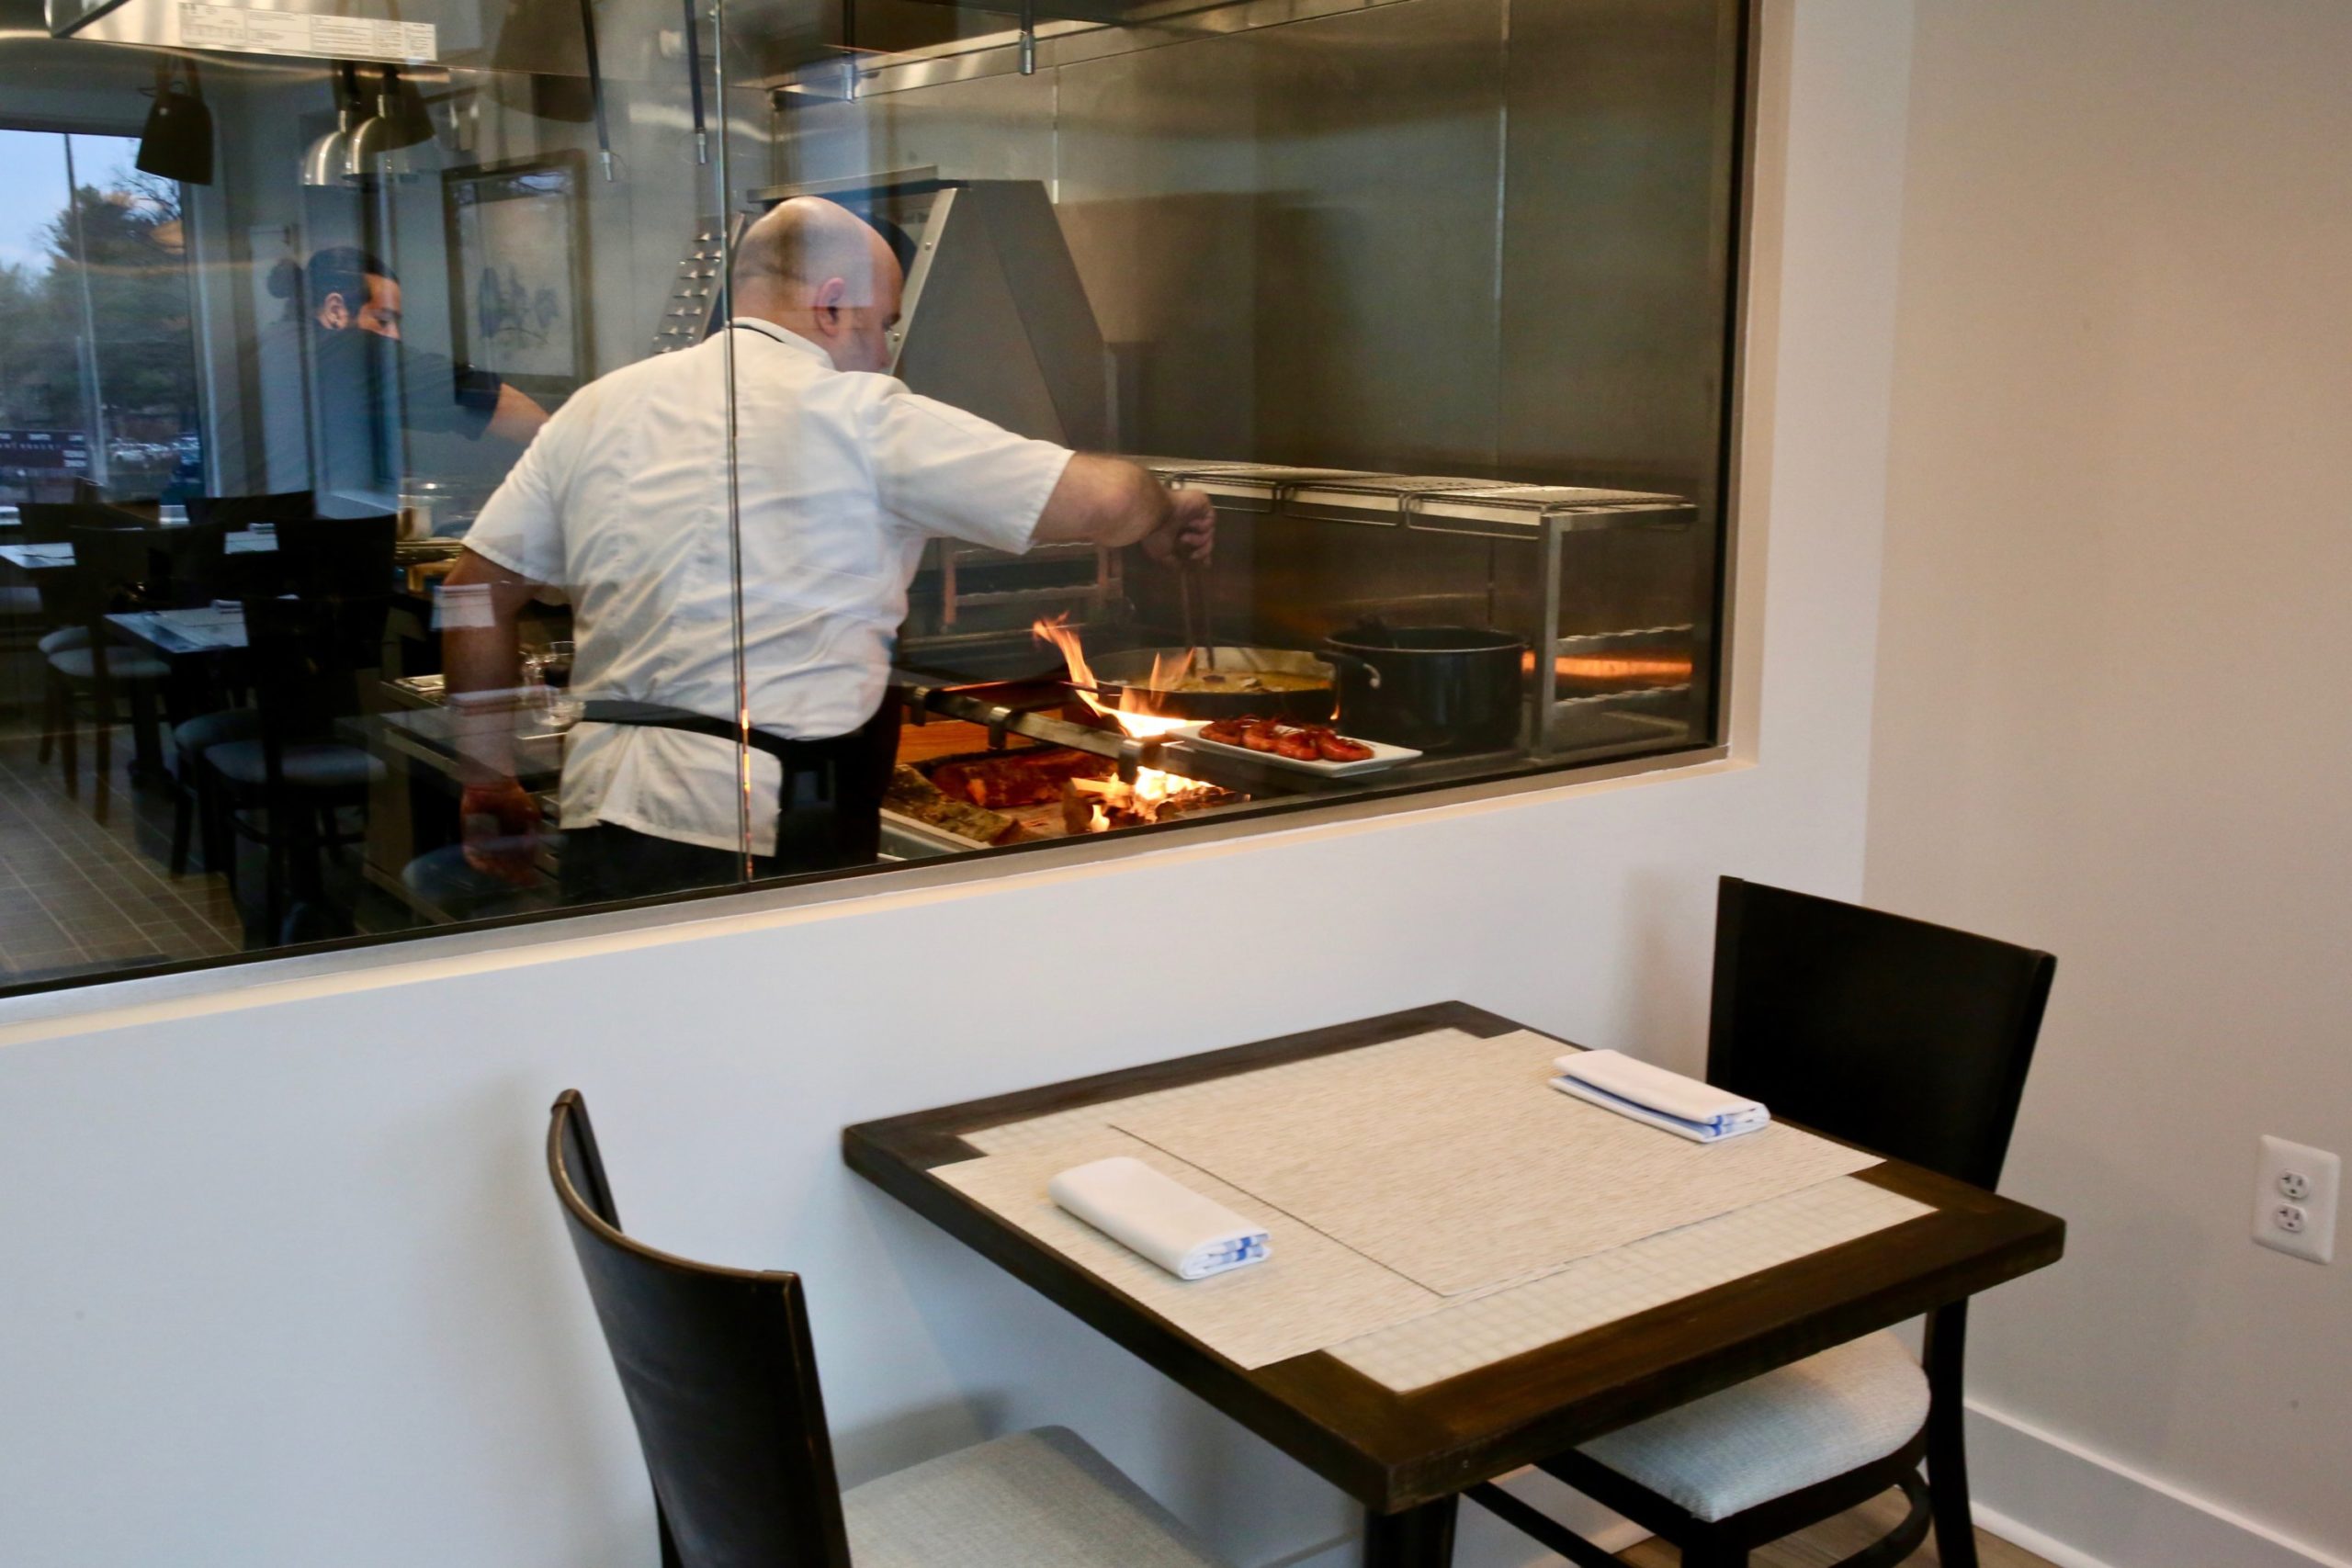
2294,1199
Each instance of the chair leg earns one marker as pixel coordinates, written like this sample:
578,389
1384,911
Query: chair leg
274,886
183,820
102,754
69,746
52,707
1948,1486
1947,1350
146,739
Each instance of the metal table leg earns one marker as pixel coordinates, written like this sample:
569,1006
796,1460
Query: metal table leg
1418,1538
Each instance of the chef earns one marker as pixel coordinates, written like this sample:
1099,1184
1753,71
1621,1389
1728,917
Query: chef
842,476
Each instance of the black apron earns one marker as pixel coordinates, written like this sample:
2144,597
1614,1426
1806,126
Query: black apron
828,809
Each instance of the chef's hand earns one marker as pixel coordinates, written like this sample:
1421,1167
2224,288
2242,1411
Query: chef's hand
1189,530
501,825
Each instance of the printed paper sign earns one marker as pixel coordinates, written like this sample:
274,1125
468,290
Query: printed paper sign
301,33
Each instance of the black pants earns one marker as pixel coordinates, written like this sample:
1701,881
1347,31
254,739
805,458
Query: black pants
605,863
831,820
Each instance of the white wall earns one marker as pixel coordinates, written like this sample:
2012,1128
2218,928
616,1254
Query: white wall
283,1284
2116,623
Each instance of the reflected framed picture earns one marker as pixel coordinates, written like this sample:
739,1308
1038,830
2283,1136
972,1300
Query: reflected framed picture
519,271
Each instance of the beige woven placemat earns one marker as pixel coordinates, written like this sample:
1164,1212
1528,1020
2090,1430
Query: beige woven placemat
1237,1089
1606,1286
1453,1161
1310,1293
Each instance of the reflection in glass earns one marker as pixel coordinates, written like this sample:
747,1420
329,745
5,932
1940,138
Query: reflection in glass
532,468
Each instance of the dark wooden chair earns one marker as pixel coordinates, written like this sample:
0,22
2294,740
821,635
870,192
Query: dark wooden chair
317,557
96,674
242,510
1909,1039
287,785
719,1370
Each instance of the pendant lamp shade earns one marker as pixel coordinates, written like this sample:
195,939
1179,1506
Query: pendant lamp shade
177,140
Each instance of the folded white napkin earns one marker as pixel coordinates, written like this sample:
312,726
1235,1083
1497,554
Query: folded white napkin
1684,1107
1158,1217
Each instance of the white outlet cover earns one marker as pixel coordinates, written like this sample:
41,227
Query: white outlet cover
2322,1174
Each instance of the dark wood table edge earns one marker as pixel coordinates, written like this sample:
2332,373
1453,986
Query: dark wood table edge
1398,1450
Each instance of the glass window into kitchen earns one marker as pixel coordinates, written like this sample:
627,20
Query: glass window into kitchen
1428,303
480,461
333,415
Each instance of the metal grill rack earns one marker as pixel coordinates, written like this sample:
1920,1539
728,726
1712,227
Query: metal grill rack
1544,518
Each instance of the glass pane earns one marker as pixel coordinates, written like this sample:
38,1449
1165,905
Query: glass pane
1436,311
279,322
490,461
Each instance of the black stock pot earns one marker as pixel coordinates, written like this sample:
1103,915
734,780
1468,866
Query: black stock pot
1433,688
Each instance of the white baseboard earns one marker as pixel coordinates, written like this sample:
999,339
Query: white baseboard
2088,1510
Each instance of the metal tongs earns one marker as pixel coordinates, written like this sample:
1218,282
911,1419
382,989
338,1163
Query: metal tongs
1193,591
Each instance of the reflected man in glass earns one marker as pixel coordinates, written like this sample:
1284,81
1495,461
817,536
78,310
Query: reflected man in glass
370,388
844,475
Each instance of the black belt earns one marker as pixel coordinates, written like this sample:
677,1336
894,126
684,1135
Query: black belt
829,806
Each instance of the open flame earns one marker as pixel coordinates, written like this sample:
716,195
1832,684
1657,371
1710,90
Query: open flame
1154,791
1134,712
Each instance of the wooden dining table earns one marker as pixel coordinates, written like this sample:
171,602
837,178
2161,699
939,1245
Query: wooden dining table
1406,1456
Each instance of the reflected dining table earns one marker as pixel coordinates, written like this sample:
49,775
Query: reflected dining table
1407,1454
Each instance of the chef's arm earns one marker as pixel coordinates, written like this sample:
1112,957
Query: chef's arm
517,416
481,608
1101,500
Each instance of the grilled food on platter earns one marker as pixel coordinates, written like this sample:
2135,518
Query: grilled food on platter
1300,742
1018,779
912,795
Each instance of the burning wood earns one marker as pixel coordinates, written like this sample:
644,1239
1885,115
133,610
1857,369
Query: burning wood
1097,805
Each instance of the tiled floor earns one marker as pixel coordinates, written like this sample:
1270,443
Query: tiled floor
77,894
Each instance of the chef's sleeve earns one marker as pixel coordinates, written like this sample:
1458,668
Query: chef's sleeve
947,473
521,527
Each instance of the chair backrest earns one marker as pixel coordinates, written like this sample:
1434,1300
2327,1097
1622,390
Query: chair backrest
720,1375
189,564
53,522
347,555
304,659
1909,1039
109,566
236,511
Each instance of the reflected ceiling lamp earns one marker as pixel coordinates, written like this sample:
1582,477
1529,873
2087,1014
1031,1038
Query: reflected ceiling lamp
327,161
389,142
177,140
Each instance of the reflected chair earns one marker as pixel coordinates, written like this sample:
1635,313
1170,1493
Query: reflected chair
1909,1039
336,556
287,787
52,523
91,675
243,511
720,1375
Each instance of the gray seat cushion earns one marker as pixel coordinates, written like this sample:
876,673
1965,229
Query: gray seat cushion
1777,1434
122,663
1041,1499
314,764
62,638
210,729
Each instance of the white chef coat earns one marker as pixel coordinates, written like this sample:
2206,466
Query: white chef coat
621,500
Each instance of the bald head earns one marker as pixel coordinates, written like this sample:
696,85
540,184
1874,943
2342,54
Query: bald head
815,267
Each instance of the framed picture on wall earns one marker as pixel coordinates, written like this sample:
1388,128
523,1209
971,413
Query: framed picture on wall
518,270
